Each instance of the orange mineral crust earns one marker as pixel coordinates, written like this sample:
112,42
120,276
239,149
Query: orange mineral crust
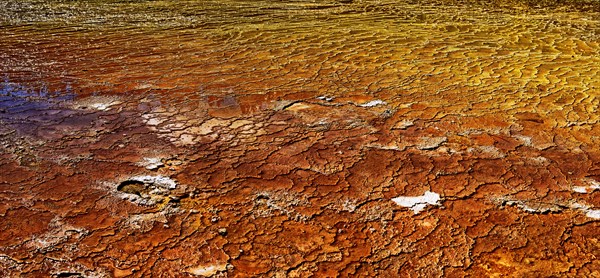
354,138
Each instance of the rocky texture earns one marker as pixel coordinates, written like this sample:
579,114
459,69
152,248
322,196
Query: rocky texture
261,138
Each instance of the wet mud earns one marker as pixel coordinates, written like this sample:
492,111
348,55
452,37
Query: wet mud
299,138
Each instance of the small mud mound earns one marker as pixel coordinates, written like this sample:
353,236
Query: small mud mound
147,190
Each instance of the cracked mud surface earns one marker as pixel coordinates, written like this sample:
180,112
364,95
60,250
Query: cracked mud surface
288,139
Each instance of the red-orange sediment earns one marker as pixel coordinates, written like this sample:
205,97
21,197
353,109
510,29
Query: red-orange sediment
288,128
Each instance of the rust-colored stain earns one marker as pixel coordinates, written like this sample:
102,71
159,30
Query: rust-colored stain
361,138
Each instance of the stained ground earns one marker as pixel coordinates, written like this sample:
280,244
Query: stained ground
297,138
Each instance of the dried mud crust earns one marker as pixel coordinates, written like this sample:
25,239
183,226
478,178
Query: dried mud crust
436,146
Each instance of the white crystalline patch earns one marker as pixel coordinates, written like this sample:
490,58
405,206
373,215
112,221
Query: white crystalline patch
154,121
430,143
404,124
101,106
532,210
593,182
580,189
101,103
491,150
532,206
325,98
593,213
298,107
418,203
592,186
240,123
540,207
164,182
348,205
539,160
373,103
207,270
151,163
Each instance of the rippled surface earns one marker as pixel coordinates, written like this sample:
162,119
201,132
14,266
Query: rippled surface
270,138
